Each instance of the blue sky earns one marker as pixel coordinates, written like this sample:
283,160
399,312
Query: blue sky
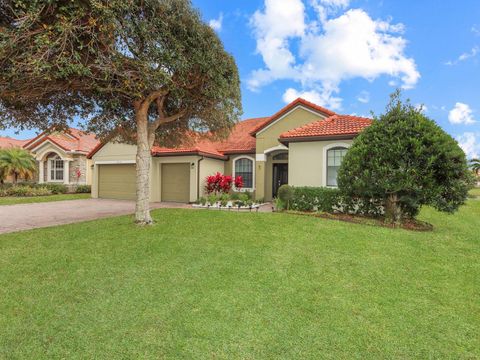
349,55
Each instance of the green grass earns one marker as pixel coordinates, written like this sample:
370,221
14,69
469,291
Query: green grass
40,199
475,192
221,285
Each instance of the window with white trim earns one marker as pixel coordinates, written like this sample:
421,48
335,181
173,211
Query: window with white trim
56,169
334,160
244,168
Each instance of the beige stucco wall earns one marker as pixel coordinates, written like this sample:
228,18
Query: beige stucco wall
306,166
268,138
209,167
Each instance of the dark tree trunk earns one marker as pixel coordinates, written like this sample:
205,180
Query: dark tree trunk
393,211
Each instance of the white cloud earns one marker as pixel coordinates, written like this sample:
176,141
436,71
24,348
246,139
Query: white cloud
476,30
470,144
465,56
348,46
322,98
364,97
216,24
335,3
461,114
422,107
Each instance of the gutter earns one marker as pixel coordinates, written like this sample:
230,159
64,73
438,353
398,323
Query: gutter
287,140
198,176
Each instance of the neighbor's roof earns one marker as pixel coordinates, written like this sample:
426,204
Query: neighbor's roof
6,142
70,140
289,107
333,126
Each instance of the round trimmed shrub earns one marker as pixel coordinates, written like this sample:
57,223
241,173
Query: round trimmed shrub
405,160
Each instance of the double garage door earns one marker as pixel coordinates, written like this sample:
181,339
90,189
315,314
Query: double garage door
118,182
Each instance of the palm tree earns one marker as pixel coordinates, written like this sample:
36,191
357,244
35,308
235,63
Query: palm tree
18,163
475,165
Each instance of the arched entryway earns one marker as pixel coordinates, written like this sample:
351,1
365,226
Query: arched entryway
279,170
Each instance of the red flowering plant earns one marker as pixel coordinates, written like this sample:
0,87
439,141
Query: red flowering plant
78,174
238,182
221,184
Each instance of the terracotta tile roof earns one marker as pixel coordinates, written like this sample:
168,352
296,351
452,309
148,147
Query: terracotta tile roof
72,140
336,125
201,146
6,142
289,107
239,141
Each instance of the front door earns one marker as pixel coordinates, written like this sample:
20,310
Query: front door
280,177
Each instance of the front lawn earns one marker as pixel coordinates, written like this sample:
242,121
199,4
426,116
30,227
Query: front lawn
38,199
222,285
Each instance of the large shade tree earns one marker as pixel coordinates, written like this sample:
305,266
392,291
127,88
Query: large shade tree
143,71
405,160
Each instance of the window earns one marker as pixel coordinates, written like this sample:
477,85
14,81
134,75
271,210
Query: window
334,160
281,156
56,169
244,168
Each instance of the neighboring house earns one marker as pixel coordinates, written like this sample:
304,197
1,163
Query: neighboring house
62,156
302,145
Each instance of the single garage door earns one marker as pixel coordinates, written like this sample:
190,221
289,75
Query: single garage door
176,182
116,182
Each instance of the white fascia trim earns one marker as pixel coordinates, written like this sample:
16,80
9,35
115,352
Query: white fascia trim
325,150
276,148
288,113
253,173
47,142
261,157
60,153
111,162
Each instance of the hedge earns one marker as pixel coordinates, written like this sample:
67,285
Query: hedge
325,199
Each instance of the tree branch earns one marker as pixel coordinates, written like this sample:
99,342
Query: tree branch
161,120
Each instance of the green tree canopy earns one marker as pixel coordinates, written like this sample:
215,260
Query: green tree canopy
406,160
146,71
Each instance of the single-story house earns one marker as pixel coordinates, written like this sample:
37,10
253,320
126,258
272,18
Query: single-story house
61,155
303,144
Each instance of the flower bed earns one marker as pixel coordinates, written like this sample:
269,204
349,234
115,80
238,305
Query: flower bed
230,205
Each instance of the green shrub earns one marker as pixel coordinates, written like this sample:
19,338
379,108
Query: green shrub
313,199
279,205
56,188
83,189
243,198
25,190
286,194
224,199
405,160
212,199
202,200
234,196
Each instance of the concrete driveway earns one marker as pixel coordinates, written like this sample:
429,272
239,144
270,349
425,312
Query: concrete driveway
37,215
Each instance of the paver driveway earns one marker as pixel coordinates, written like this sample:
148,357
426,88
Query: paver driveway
37,215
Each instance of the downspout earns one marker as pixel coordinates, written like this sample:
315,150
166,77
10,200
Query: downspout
198,177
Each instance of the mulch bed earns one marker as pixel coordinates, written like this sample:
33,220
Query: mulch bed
414,225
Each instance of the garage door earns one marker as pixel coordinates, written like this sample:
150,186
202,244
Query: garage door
176,182
116,182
